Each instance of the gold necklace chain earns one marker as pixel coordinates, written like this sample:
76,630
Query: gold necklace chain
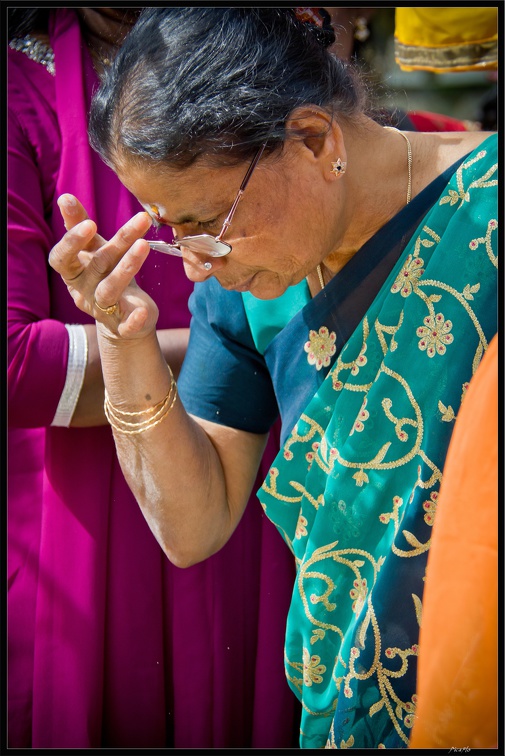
409,160
320,274
409,187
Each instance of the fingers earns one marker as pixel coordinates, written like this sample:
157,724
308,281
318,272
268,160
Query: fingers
109,255
64,256
71,210
72,255
101,280
111,288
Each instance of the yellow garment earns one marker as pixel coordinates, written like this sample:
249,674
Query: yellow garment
444,40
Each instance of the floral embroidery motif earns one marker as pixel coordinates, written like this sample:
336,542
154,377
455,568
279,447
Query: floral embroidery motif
358,593
408,277
320,347
312,669
435,334
317,634
430,507
411,708
330,743
385,517
463,193
363,415
360,361
474,244
310,456
301,529
448,413
347,743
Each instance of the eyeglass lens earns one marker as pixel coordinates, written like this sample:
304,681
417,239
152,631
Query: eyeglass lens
203,245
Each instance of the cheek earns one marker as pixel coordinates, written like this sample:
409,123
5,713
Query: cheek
272,237
241,232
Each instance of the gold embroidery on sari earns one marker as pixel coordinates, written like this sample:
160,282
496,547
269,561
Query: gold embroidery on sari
320,347
338,614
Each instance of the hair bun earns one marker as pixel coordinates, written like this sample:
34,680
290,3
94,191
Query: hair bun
318,20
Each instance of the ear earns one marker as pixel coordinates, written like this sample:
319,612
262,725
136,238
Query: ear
319,135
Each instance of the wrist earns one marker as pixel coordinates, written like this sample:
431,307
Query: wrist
111,339
134,370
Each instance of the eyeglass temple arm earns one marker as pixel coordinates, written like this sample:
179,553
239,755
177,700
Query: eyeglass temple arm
243,185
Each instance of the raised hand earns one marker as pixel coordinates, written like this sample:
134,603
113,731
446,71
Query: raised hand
100,274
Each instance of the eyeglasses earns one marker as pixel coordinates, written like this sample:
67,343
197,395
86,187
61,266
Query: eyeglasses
205,244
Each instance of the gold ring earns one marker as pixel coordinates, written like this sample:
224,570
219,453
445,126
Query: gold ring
108,310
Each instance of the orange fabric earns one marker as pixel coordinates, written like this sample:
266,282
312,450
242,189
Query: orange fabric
458,645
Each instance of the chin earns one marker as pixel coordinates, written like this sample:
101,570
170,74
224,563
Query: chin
266,290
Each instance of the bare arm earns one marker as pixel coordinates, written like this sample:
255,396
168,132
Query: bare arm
89,408
191,478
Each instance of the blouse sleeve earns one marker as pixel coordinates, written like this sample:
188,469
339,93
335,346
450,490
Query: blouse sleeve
37,344
223,378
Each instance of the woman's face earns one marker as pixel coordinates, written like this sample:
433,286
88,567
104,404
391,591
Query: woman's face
280,230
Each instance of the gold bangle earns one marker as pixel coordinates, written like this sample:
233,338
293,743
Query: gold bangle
150,424
147,411
111,413
134,428
114,413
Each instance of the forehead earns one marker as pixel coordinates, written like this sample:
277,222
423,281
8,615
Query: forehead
181,195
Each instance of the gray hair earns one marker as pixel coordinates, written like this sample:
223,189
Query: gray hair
215,82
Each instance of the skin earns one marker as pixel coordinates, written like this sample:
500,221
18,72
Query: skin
173,341
192,478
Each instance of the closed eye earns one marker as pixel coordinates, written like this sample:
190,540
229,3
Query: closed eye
197,227
208,224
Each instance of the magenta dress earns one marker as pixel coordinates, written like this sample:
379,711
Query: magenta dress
109,645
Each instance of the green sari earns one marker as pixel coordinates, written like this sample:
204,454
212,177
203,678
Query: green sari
354,489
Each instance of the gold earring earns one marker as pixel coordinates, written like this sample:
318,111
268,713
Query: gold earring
338,167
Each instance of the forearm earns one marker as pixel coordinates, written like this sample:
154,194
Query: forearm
89,408
192,480
174,469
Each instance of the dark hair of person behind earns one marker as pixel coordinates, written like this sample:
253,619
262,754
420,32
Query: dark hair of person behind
215,82
23,21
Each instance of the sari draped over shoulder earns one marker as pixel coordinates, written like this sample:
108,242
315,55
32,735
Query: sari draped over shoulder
354,488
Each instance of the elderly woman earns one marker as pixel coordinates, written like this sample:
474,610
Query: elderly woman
345,278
